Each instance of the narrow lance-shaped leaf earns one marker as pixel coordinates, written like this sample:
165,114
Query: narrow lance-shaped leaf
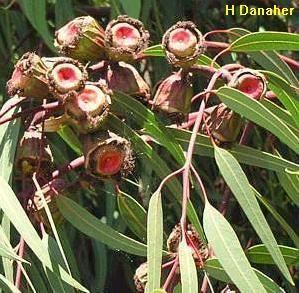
187,269
133,214
260,254
14,211
266,41
91,226
269,60
154,241
285,93
228,250
216,271
240,187
282,222
243,154
256,112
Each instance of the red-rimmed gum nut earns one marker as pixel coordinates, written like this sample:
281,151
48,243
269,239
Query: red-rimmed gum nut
174,94
88,108
125,78
82,38
140,277
50,192
33,152
199,250
250,82
125,37
183,44
224,124
109,158
29,77
67,75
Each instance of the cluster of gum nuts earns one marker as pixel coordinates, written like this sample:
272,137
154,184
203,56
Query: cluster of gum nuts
76,89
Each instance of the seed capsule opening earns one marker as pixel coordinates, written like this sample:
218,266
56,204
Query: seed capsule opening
250,82
251,85
182,42
67,77
91,99
110,161
109,158
125,35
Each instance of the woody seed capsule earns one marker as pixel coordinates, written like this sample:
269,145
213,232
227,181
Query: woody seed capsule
125,78
109,157
125,37
88,108
29,77
174,94
250,82
66,75
81,39
183,44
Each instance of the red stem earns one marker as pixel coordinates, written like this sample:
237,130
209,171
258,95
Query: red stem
46,107
171,274
69,167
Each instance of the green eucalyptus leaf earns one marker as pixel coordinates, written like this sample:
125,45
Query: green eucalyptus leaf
259,254
154,241
187,269
228,250
91,226
266,41
256,112
133,214
15,212
240,187
216,271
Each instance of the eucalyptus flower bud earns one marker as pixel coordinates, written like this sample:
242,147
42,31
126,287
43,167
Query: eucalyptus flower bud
88,108
29,77
174,94
250,82
66,75
125,37
108,158
82,38
224,124
183,44
125,78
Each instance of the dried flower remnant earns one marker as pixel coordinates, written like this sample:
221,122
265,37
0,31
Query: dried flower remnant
250,82
183,44
125,38
88,108
67,75
110,157
82,39
200,251
29,77
140,277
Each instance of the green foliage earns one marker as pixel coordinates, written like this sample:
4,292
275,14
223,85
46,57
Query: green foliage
109,229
